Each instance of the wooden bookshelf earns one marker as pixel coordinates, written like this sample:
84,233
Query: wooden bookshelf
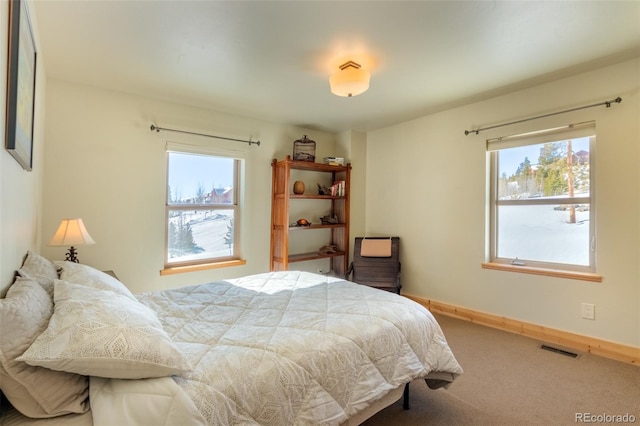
283,196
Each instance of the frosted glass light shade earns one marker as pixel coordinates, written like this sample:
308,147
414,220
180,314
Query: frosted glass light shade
71,232
349,81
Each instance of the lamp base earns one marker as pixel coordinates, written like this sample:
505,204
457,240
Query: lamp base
71,255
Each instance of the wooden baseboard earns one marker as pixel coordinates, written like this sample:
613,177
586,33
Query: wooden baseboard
604,348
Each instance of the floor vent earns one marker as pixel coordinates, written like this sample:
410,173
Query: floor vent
559,351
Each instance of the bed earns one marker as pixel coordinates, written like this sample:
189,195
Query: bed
276,348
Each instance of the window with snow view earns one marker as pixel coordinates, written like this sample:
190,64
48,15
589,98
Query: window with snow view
202,208
542,210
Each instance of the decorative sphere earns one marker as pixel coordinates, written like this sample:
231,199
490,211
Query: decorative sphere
298,187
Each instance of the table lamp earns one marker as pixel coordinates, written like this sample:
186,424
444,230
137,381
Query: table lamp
71,232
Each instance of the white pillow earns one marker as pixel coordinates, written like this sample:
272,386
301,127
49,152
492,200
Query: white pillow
34,391
39,269
100,333
91,277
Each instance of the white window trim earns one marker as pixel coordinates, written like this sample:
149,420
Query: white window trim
573,131
234,260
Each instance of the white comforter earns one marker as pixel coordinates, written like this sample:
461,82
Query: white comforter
287,348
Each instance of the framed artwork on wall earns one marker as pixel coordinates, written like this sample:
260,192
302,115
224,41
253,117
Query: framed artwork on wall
21,85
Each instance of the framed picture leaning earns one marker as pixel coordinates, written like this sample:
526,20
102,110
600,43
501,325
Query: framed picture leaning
21,85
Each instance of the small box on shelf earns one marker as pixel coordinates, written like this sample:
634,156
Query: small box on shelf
334,161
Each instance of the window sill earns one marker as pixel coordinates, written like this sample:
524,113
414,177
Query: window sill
201,267
584,276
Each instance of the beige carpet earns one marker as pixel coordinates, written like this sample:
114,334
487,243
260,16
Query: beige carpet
509,380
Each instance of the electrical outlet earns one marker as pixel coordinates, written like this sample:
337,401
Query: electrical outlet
589,311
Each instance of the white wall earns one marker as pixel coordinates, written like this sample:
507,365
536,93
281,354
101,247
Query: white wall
20,191
352,145
105,165
426,183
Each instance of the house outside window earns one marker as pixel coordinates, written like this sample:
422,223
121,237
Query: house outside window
202,207
542,210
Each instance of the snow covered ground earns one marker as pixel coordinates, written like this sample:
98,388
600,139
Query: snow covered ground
209,228
543,234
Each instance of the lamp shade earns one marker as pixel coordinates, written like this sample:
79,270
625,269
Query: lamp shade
351,80
71,232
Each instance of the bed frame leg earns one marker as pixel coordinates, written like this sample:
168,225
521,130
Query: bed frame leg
405,401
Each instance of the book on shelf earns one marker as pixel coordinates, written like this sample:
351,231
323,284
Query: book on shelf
338,188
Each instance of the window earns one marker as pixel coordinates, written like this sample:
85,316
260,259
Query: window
542,209
202,208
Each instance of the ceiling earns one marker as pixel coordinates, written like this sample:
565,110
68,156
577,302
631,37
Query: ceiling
272,60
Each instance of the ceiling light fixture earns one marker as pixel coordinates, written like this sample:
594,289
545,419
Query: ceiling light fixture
351,80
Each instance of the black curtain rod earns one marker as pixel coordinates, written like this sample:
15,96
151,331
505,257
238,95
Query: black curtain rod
157,129
607,103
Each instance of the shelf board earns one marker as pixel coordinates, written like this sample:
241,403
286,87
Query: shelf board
317,197
312,197
301,257
308,165
336,225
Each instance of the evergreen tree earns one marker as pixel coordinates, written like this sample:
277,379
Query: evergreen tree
181,240
524,177
228,237
502,186
524,169
173,240
552,169
187,242
200,194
